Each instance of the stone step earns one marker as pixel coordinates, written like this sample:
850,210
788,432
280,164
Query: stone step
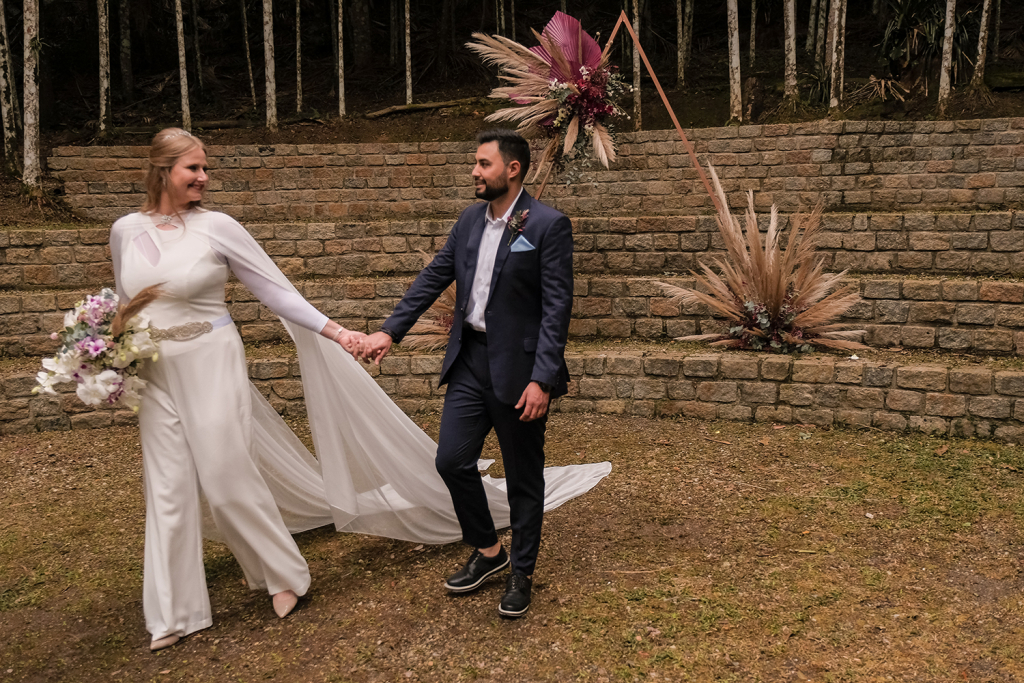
956,314
989,243
850,165
884,390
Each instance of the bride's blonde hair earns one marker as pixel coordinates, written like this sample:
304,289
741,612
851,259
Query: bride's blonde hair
167,147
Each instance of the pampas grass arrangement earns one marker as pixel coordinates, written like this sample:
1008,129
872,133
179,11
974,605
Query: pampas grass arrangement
432,330
774,299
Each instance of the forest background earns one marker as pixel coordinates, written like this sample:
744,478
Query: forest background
889,64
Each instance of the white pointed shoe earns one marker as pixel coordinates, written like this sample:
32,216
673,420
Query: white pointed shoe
284,603
161,643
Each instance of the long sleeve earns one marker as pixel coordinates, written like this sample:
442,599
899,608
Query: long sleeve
260,274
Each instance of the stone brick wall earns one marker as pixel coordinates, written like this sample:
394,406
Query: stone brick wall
924,243
959,401
981,316
851,165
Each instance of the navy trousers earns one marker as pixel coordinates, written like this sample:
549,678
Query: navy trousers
471,410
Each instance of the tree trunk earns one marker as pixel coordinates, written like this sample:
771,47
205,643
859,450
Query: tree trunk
30,20
408,55
7,97
680,60
446,34
819,44
790,31
564,10
812,24
186,114
947,57
512,15
735,89
394,42
876,7
753,32
501,28
837,26
978,79
195,44
103,22
997,31
362,33
268,64
841,50
637,112
341,59
298,56
248,54
125,36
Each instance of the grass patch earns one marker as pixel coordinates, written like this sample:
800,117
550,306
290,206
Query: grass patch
839,555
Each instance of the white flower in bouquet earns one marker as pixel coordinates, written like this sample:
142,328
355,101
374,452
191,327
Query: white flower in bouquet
103,346
96,389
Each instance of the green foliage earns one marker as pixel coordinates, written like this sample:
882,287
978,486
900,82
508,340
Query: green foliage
913,38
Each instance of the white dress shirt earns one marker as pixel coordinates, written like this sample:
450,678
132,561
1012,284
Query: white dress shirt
494,232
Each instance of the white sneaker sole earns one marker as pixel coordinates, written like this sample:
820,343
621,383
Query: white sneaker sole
510,613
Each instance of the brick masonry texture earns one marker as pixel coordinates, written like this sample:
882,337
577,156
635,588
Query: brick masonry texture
975,401
850,165
956,315
613,246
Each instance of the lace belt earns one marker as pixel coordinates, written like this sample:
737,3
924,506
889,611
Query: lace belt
188,331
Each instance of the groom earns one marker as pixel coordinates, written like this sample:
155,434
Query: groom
511,258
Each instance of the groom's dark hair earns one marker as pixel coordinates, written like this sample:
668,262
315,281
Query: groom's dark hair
511,146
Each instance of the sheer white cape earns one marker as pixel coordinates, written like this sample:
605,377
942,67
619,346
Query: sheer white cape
375,473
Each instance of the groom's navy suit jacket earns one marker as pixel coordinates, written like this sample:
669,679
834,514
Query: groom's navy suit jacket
527,312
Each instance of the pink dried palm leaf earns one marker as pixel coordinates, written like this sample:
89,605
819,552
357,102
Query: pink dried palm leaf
566,35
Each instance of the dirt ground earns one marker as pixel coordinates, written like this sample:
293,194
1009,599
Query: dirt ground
714,551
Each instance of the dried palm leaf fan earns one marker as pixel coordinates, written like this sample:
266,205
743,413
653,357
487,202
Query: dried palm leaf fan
564,89
774,299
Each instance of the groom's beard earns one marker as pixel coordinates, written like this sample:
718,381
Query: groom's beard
495,190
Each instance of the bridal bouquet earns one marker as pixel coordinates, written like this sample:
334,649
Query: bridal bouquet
103,345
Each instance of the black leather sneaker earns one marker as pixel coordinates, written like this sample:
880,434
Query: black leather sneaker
516,600
478,569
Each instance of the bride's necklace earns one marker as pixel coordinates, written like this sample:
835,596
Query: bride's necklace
173,221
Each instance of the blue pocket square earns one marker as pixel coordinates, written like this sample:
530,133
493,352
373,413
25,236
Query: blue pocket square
522,244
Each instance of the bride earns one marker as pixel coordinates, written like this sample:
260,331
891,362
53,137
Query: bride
217,459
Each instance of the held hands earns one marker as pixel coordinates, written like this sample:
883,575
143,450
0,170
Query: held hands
373,347
535,401
349,340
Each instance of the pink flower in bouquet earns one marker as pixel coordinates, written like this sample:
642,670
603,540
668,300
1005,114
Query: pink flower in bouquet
92,346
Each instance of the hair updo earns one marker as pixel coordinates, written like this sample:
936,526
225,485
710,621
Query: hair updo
167,147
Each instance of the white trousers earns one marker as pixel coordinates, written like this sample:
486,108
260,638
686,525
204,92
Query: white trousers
196,428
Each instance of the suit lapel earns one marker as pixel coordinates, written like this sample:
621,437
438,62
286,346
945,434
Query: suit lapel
504,248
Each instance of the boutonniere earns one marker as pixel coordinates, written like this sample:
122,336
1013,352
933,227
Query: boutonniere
515,225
